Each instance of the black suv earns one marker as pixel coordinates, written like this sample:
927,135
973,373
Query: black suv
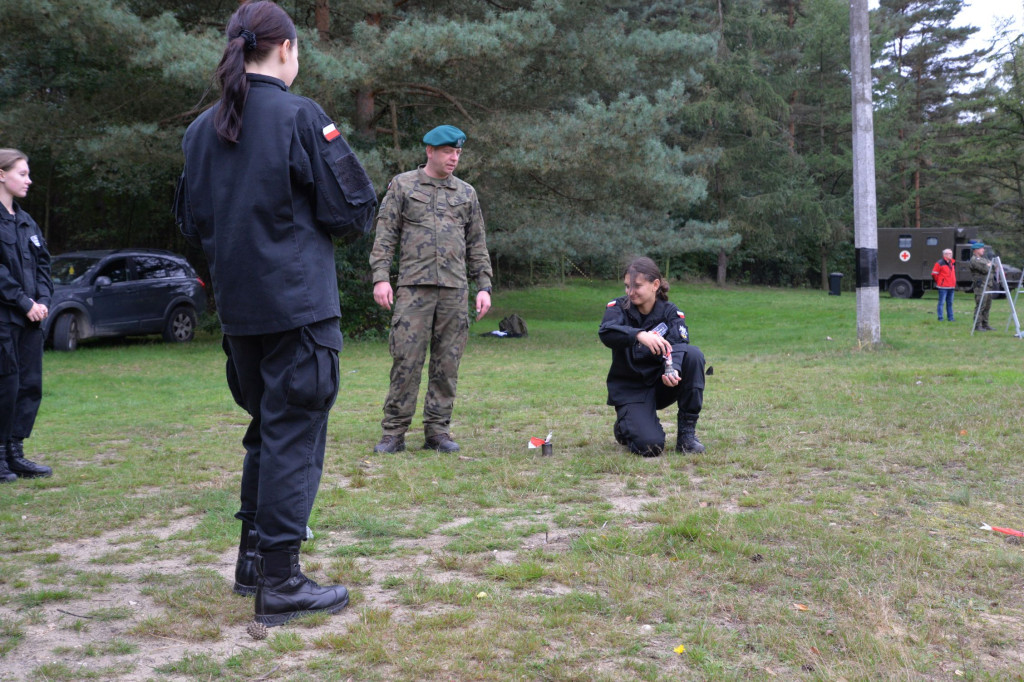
122,292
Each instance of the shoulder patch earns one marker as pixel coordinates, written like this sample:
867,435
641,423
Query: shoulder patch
681,314
611,304
331,133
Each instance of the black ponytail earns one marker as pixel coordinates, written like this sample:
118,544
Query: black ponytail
254,30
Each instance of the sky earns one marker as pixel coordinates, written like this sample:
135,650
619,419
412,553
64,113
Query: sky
985,13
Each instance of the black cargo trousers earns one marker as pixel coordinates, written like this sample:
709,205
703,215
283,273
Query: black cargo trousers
637,423
21,379
287,382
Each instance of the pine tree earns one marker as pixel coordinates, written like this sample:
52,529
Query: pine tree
918,105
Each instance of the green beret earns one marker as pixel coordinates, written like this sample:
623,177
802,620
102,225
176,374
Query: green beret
445,136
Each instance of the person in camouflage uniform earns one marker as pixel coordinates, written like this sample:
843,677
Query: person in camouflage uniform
979,268
436,220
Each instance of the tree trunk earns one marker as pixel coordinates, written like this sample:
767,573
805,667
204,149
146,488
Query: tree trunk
723,263
322,15
824,267
366,99
917,198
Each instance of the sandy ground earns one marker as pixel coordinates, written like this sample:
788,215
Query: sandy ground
66,635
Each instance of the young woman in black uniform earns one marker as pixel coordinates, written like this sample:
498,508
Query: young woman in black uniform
268,182
653,364
25,291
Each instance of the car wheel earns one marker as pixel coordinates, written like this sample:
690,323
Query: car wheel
181,325
65,333
901,288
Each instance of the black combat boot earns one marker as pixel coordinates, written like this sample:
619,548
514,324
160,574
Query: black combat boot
283,592
246,575
6,475
686,438
17,463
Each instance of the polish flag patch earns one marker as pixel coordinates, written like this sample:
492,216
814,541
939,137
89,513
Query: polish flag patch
681,315
331,133
611,304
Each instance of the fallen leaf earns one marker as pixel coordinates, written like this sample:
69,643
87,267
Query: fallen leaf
679,649
481,595
958,673
814,650
963,432
800,607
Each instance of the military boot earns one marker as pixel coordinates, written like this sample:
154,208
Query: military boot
283,592
442,442
686,438
246,575
6,475
390,444
17,463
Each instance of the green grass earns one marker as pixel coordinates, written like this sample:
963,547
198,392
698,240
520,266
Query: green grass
830,531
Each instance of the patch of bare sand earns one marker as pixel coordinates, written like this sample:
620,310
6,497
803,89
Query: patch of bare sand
616,493
61,633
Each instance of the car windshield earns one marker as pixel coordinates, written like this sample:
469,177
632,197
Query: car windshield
66,269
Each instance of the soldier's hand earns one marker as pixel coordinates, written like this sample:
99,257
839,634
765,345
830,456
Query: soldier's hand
383,295
654,342
483,304
37,313
670,379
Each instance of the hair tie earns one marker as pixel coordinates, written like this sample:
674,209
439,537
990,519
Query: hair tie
249,37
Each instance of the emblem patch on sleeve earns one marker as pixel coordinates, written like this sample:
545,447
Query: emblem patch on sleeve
331,133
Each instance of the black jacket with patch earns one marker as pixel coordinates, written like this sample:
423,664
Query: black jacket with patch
24,267
265,209
635,370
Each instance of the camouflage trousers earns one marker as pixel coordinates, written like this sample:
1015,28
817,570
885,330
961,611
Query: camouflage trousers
434,316
985,302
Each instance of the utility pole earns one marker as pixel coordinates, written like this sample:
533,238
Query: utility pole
865,210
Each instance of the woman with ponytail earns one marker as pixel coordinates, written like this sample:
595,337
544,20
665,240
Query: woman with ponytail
25,291
653,364
268,181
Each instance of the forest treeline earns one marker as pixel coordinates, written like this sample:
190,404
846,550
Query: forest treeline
714,135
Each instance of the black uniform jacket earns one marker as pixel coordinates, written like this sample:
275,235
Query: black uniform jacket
24,267
635,371
265,209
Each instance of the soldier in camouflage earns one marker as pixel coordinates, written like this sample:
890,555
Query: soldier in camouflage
979,268
436,221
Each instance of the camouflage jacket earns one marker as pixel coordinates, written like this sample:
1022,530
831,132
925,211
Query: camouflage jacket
979,268
440,228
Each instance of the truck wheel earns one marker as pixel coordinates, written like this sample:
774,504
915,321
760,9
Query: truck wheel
901,288
65,333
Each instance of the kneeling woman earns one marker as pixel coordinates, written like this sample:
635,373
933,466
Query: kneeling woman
653,364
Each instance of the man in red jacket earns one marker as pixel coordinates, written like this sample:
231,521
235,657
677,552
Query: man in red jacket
944,274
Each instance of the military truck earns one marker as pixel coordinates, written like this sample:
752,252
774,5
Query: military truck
906,256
